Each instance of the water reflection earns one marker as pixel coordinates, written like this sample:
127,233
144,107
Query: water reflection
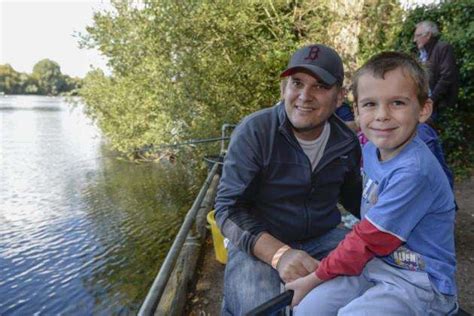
82,232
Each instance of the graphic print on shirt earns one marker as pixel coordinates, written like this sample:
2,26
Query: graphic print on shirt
402,257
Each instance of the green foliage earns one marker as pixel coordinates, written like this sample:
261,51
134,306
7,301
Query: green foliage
182,69
456,22
9,79
46,79
380,24
49,77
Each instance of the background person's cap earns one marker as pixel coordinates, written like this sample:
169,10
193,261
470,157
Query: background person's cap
322,61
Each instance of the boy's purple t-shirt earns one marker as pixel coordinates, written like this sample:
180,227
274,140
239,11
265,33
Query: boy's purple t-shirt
409,197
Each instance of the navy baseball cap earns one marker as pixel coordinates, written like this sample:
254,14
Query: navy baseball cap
320,60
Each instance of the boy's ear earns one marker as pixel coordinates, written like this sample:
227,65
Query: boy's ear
356,115
426,110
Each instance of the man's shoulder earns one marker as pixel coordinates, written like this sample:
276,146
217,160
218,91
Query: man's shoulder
260,119
441,45
262,114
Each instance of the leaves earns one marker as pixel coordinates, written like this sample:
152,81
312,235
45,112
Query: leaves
46,79
183,68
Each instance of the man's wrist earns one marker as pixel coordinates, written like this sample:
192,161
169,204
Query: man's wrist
278,254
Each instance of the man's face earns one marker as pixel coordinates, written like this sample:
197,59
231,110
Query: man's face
309,103
421,37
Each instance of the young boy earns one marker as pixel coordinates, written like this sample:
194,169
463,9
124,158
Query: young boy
400,259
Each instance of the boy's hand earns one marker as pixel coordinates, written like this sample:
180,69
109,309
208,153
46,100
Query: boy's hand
295,264
302,286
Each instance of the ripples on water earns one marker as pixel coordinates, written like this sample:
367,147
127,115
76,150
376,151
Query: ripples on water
81,233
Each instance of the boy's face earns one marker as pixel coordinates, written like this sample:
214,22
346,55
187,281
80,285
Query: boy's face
389,110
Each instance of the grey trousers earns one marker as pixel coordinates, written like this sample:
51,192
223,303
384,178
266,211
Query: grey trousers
380,290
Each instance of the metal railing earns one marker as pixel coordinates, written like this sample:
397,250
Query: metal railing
224,137
156,291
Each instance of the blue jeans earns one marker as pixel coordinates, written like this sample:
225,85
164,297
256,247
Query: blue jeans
249,282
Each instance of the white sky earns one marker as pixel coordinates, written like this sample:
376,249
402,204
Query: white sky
37,29
412,3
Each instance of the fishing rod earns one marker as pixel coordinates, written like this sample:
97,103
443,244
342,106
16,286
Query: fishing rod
222,139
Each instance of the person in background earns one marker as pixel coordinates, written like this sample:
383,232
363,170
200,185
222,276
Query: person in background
286,169
400,259
438,57
345,113
429,136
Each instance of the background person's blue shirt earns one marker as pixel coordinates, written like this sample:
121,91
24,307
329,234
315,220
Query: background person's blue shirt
345,113
429,136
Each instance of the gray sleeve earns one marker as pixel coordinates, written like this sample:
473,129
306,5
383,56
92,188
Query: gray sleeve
237,189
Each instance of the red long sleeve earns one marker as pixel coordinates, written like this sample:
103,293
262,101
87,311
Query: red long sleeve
363,243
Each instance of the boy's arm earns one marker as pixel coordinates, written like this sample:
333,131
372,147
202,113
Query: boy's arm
302,286
236,190
363,243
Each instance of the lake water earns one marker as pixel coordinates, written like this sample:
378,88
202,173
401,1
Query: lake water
81,232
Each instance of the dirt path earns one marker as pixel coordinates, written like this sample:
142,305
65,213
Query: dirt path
206,299
465,243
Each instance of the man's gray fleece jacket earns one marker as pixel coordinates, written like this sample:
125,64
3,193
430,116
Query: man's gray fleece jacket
267,184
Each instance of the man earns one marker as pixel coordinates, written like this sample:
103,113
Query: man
285,170
443,72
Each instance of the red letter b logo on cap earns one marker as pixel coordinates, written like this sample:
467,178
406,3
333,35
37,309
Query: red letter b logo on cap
313,53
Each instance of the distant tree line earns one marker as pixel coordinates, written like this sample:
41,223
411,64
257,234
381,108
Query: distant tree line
46,79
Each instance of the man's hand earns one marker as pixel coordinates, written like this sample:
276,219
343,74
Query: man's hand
296,264
302,286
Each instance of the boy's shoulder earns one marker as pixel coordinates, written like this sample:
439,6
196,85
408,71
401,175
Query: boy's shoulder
415,159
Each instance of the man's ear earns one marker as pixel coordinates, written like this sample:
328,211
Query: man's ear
283,84
426,110
340,96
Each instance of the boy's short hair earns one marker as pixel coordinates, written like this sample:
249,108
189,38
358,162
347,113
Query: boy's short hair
384,62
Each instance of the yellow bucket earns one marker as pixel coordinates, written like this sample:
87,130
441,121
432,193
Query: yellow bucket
217,239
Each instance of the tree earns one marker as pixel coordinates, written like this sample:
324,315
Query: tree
182,69
9,79
49,77
71,84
